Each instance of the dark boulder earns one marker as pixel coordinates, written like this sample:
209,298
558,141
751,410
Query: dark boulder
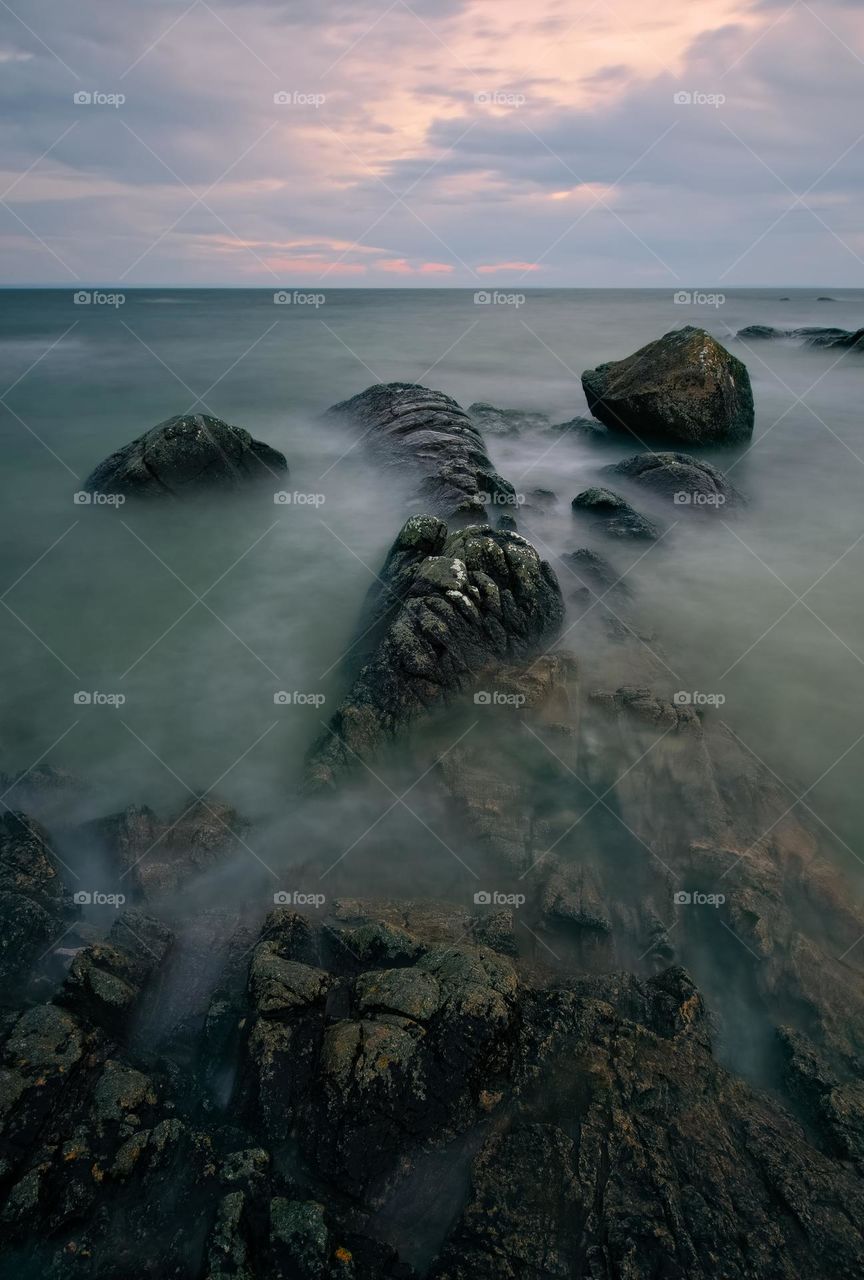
831,339
614,515
685,386
188,454
427,433
595,573
684,480
449,608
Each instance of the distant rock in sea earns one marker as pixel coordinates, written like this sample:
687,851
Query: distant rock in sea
191,453
684,386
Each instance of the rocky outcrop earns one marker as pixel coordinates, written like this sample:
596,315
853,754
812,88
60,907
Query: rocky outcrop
685,386
685,481
35,906
154,856
613,515
427,434
189,454
812,336
449,609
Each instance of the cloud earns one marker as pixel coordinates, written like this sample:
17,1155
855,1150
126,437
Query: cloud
382,165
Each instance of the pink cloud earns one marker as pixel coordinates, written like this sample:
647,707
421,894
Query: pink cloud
435,268
491,268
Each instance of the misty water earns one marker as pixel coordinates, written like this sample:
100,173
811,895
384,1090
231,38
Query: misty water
199,614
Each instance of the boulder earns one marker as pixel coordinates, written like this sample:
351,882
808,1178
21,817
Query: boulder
684,386
614,515
427,434
448,608
191,453
686,481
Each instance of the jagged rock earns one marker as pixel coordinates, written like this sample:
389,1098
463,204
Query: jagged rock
191,453
761,331
684,386
426,432
832,339
155,856
505,422
106,980
615,516
35,906
588,427
465,604
688,482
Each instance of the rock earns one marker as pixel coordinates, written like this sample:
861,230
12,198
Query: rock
760,331
540,499
505,422
580,427
159,855
466,603
684,386
826,299
188,454
615,516
817,336
686,481
426,432
106,980
596,573
35,905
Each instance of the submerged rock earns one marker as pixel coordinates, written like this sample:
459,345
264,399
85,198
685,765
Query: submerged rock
683,386
505,422
615,516
449,608
188,454
427,432
761,331
686,481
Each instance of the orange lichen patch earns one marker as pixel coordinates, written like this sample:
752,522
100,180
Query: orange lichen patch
343,1255
39,1082
489,1100
73,1154
383,1062
71,1247
97,1173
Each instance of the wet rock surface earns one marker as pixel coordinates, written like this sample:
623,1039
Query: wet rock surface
426,433
684,386
191,453
36,907
679,478
449,608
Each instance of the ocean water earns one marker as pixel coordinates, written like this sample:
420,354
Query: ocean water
197,615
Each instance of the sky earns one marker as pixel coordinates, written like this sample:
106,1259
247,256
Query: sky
456,143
